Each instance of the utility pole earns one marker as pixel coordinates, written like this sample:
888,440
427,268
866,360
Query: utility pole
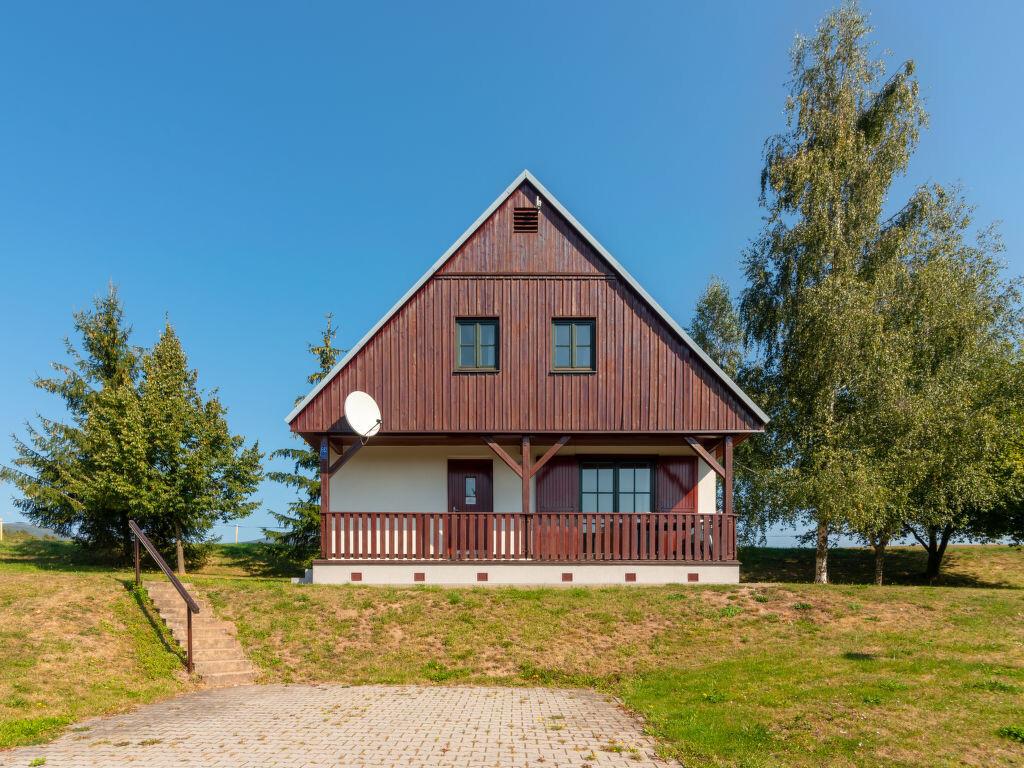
236,534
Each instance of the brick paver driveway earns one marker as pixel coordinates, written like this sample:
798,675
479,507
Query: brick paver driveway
332,725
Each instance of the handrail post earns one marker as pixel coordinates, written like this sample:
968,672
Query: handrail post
138,564
189,665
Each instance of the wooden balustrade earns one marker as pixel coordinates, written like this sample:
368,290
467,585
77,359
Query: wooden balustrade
544,536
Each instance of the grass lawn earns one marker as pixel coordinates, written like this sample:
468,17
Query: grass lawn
783,673
74,642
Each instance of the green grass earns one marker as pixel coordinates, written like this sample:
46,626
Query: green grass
766,674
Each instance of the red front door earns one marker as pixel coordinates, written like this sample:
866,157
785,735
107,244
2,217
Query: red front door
470,489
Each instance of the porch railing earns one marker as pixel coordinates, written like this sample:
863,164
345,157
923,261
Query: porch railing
542,536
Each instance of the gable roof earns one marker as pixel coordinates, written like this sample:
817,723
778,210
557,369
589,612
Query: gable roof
526,176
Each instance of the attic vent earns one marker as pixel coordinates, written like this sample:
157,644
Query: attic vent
525,219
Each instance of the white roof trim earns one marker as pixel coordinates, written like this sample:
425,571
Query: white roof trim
527,176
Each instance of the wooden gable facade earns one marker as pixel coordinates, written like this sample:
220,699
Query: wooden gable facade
647,378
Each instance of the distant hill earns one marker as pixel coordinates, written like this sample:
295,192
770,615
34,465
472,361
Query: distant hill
31,530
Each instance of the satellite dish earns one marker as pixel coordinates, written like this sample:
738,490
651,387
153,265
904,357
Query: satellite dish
362,414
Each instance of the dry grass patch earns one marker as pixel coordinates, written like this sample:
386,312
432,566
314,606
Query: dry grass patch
74,644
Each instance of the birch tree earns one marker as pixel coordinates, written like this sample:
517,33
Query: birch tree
850,131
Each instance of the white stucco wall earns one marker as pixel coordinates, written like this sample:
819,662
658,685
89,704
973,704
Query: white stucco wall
415,479
707,490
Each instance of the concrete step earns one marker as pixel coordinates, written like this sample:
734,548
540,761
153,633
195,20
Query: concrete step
166,586
181,617
218,657
216,646
206,668
223,679
215,650
206,625
198,637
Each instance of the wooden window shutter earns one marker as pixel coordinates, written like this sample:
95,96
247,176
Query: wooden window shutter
676,484
558,485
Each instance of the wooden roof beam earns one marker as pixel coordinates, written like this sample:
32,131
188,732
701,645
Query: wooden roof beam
705,454
550,453
342,460
503,455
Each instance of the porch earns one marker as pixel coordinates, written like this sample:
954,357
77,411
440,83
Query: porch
595,510
541,536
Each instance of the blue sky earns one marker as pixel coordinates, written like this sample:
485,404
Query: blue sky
243,168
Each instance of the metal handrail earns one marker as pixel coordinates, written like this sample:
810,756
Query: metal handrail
191,606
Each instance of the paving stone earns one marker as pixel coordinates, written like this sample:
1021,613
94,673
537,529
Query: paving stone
314,726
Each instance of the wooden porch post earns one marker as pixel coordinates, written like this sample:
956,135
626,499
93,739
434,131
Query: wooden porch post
728,551
325,494
526,474
527,518
727,479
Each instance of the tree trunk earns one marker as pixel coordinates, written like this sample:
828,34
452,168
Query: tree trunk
879,546
821,556
180,551
937,542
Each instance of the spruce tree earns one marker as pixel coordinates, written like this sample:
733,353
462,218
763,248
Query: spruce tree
299,538
66,469
198,472
140,442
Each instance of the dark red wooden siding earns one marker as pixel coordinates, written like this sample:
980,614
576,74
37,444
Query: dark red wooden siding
558,485
647,380
676,485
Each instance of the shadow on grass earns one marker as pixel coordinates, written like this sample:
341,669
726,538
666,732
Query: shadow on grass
159,627
255,559
56,555
903,566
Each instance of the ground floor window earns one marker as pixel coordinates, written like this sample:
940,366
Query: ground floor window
616,486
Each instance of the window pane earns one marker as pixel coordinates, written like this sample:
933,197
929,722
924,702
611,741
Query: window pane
626,502
487,333
626,479
605,502
470,490
488,357
643,479
563,334
605,480
563,357
642,502
583,357
583,335
589,502
467,333
467,357
589,480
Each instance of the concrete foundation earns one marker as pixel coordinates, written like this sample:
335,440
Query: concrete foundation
522,573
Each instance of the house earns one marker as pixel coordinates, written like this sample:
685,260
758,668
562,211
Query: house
543,421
